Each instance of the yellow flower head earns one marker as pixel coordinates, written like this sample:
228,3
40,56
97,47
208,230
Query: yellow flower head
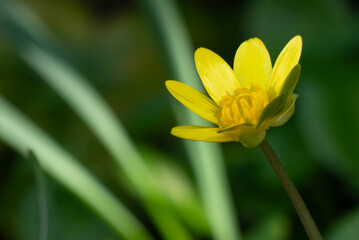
247,100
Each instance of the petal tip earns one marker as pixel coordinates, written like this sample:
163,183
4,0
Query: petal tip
200,53
299,37
175,130
298,40
255,39
250,41
169,83
200,50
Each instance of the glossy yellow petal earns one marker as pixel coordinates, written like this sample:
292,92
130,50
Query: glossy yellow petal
217,76
288,58
252,63
197,133
194,100
286,114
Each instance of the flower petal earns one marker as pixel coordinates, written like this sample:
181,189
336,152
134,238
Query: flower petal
217,76
287,59
198,133
194,100
252,63
286,114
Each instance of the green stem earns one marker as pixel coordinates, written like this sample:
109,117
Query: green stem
297,201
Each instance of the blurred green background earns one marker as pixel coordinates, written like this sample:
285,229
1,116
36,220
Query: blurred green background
117,47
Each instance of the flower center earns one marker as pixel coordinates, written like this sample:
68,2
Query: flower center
245,106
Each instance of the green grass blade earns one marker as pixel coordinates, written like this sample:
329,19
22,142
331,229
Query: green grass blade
27,33
86,102
91,107
67,82
21,134
180,190
22,24
206,158
40,182
275,226
99,117
346,227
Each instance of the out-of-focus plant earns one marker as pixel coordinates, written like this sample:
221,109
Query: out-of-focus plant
40,182
16,18
21,134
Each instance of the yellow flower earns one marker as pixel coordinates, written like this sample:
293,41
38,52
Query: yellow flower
247,100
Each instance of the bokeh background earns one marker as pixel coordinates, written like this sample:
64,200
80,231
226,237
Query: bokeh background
117,47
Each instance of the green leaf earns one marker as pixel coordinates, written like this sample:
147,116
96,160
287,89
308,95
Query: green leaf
234,128
272,109
251,140
277,105
291,81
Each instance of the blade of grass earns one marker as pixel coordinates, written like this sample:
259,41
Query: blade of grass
40,182
21,134
206,158
86,102
14,15
95,112
179,188
89,105
346,226
275,226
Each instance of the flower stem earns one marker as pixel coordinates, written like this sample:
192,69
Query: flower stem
297,201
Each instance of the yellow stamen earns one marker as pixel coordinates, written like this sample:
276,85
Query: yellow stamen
245,106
